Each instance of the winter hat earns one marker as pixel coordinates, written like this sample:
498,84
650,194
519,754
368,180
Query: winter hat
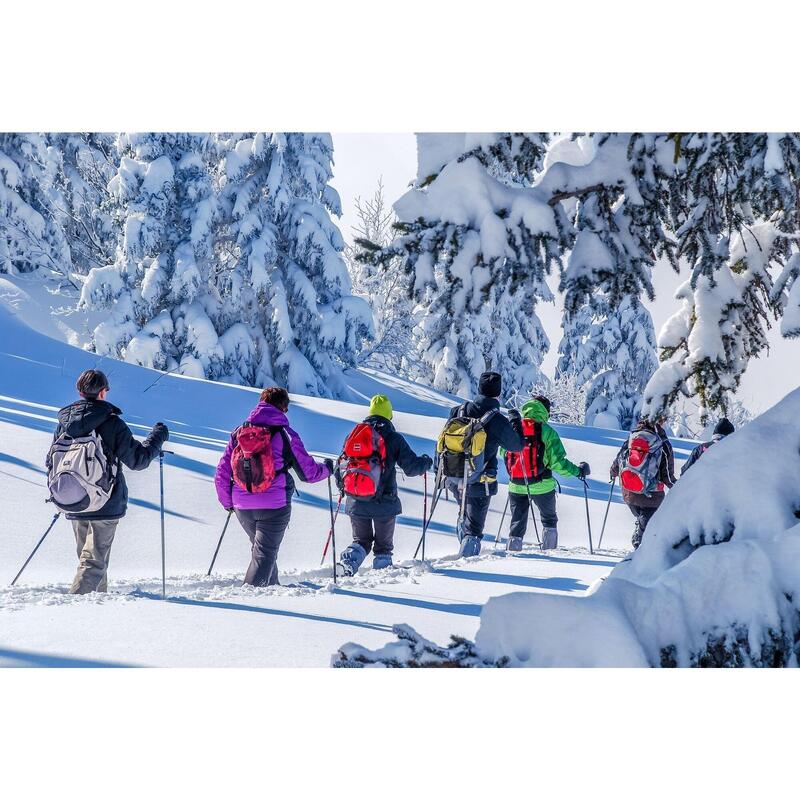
490,384
380,406
544,401
724,427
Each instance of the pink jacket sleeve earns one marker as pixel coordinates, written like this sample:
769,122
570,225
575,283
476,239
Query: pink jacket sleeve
223,478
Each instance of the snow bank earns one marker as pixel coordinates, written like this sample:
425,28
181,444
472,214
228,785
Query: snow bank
678,601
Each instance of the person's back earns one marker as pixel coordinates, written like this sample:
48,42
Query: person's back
644,504
263,503
482,486
94,530
722,429
373,518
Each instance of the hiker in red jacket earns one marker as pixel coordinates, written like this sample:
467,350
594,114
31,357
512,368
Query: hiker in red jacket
257,484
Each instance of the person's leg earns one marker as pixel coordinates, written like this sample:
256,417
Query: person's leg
645,514
363,538
546,503
97,537
270,525
384,542
519,514
477,507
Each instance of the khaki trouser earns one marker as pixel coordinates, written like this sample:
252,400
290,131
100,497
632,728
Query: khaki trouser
93,538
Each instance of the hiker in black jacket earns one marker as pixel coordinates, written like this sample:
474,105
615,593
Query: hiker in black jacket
94,531
499,433
373,520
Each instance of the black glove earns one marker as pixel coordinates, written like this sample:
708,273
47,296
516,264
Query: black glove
330,465
428,462
161,431
585,470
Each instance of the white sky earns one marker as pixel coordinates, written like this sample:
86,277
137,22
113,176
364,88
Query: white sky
360,159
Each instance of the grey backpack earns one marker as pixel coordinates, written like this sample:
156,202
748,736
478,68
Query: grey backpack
80,477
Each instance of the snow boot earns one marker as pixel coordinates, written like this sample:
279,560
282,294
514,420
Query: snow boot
636,539
351,559
514,544
381,561
470,546
549,538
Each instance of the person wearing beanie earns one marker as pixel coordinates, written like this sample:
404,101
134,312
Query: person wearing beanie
77,423
373,520
531,473
722,429
483,486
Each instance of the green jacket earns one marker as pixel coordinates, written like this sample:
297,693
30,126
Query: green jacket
555,457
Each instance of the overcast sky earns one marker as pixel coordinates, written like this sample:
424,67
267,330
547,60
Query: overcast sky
360,159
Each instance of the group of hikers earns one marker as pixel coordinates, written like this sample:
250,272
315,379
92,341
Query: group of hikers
254,477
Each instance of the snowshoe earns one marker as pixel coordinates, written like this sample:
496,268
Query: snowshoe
470,546
514,544
381,561
549,538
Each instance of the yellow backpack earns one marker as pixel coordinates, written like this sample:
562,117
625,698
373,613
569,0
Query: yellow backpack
461,445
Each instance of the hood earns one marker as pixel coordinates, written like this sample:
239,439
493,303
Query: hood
535,410
84,416
381,423
267,414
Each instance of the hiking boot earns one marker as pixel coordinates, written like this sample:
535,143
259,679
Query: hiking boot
514,544
470,546
549,538
351,559
381,561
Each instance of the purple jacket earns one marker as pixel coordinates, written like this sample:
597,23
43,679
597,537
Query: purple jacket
280,493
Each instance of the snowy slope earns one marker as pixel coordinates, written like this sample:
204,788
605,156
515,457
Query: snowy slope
214,621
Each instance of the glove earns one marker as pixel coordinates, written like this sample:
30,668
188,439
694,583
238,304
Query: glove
428,462
162,431
330,465
585,470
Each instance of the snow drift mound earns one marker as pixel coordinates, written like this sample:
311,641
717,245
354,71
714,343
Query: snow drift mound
679,601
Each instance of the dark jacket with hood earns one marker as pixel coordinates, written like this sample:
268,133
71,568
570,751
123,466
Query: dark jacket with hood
398,454
84,416
499,433
666,469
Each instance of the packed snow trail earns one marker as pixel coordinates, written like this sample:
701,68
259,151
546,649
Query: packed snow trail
202,623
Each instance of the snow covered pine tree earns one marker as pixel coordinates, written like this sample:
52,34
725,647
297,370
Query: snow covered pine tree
476,247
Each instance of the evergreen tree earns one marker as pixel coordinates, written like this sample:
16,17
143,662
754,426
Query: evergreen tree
470,240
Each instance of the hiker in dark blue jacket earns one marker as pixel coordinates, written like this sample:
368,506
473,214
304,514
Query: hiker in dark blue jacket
722,429
373,520
499,433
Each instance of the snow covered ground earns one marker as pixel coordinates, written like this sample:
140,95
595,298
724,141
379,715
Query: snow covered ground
215,621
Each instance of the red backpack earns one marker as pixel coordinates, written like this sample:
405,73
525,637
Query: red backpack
529,462
362,462
252,460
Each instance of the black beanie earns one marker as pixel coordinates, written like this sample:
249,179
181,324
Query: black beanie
490,384
544,401
724,427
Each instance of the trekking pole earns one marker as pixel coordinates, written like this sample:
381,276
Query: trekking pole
163,539
530,498
588,521
502,520
330,532
424,509
219,543
38,544
608,505
438,487
333,523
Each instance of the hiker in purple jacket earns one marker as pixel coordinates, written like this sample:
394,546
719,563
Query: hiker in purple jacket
265,514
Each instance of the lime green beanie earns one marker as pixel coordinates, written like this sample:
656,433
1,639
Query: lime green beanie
380,406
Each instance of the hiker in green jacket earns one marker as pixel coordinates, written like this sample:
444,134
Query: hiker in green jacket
531,472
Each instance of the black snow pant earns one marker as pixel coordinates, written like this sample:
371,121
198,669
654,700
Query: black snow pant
265,527
546,503
643,514
374,532
475,509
